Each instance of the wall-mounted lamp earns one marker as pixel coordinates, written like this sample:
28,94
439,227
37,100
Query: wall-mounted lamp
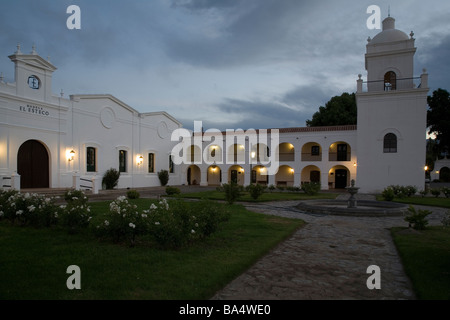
425,168
139,160
213,168
354,164
253,154
292,170
71,155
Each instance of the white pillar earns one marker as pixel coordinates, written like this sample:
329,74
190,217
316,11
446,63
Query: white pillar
76,181
247,175
272,180
324,180
297,178
204,177
15,181
95,184
424,79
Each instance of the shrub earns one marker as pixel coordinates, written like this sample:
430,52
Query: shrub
388,194
294,189
232,190
207,216
133,194
163,176
123,222
28,209
172,190
403,191
410,190
76,214
77,196
6,199
168,228
399,191
416,219
446,191
175,224
311,188
446,219
111,178
435,192
424,192
255,190
271,187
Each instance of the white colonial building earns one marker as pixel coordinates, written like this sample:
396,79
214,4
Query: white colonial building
48,140
387,147
51,142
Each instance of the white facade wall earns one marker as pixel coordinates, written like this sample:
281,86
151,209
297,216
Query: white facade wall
61,125
294,169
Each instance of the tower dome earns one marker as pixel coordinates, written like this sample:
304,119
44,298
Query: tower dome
389,33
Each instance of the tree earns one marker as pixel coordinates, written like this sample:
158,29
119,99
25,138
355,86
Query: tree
340,110
438,118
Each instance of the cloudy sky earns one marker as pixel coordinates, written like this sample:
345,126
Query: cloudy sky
229,63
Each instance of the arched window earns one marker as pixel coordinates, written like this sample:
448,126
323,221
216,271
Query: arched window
390,143
390,81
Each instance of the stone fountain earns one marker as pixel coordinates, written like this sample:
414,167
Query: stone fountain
352,207
352,202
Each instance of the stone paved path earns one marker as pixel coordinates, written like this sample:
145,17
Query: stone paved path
327,259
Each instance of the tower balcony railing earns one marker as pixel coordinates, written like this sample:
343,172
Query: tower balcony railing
399,84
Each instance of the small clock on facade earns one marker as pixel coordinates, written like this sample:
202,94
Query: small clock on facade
33,82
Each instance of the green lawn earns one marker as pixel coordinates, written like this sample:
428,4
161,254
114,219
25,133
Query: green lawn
425,201
33,262
267,196
426,258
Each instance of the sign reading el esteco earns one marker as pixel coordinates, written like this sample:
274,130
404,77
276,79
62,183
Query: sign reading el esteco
34,109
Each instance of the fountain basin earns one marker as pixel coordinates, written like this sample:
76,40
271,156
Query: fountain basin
365,208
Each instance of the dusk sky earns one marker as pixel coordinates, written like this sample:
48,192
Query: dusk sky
229,63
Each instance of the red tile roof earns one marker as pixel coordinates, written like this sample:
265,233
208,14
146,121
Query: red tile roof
306,129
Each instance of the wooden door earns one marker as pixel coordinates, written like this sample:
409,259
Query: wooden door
33,165
341,179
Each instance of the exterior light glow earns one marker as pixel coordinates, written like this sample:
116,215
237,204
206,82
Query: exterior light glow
139,160
71,155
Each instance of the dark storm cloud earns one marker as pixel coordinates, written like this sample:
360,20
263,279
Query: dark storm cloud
247,32
205,4
297,53
437,62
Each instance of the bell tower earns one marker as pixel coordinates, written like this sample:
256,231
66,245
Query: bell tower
392,103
